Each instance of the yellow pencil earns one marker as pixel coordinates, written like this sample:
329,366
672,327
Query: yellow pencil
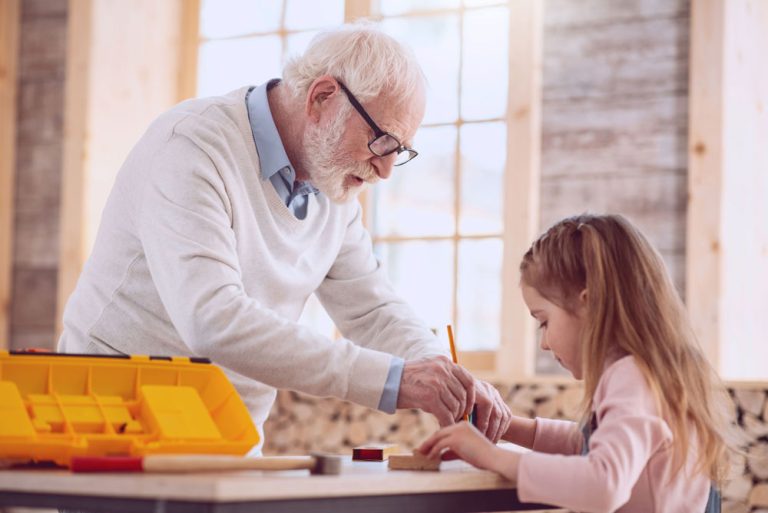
453,354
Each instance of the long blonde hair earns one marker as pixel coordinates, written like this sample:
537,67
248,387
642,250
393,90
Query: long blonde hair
633,308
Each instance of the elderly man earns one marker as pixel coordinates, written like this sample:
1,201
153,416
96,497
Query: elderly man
230,211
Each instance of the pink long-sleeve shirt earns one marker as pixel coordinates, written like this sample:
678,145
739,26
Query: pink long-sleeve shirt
629,465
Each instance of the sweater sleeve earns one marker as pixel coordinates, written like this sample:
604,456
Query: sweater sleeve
360,299
629,433
557,437
185,227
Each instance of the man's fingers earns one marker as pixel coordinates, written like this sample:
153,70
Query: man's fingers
506,417
452,404
484,409
468,382
444,417
457,390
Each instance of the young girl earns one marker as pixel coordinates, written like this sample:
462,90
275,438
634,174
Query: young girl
652,437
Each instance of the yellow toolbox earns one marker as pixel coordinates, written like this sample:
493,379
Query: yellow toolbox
56,406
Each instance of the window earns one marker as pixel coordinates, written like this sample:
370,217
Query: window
437,223
246,41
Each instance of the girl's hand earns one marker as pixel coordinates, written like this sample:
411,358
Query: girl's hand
466,442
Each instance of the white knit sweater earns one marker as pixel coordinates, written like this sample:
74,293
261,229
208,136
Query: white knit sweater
197,255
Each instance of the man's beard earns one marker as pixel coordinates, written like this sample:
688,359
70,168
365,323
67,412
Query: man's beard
329,170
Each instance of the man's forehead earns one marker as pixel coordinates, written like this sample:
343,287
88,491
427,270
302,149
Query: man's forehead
401,119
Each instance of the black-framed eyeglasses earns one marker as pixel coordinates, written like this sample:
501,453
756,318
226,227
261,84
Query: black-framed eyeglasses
383,143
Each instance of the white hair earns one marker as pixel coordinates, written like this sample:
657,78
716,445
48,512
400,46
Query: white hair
368,61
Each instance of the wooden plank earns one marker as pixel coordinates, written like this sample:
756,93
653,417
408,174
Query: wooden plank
521,182
596,13
727,280
188,50
615,136
9,51
655,201
641,58
415,461
744,193
34,305
356,9
72,218
108,107
39,161
705,152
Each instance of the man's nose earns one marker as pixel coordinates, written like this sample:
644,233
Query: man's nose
384,165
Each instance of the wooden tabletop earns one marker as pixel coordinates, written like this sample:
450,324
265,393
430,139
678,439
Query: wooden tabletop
356,479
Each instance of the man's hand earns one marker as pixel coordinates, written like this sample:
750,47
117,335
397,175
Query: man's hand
437,386
493,414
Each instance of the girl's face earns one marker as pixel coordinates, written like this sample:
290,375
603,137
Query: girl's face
559,328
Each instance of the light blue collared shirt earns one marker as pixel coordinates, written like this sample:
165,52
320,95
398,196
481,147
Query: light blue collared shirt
276,168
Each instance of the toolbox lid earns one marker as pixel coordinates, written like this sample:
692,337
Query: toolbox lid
55,406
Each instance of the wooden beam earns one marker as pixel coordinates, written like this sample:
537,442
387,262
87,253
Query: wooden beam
521,182
356,9
705,158
727,232
9,55
108,107
72,217
188,50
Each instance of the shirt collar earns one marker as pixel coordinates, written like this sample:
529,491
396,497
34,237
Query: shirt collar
272,156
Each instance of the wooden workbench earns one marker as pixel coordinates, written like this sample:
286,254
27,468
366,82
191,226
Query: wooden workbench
362,487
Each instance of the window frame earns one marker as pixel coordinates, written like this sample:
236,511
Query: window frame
515,357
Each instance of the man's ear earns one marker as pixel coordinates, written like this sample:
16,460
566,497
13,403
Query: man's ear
320,91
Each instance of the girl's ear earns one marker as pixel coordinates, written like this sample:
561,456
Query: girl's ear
583,298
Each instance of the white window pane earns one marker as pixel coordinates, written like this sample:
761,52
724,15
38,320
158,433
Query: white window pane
485,64
297,43
479,294
315,316
483,157
483,3
226,65
228,18
393,7
422,274
435,40
305,14
418,198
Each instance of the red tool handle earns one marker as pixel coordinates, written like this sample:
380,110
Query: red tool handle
107,464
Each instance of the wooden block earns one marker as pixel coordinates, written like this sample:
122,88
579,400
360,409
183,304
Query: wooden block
373,452
415,461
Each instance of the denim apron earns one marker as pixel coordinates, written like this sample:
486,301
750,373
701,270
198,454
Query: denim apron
713,503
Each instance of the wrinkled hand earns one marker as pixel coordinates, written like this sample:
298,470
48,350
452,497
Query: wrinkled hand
493,414
437,386
461,440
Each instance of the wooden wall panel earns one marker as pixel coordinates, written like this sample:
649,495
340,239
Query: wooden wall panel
38,171
521,182
9,50
614,118
109,107
727,230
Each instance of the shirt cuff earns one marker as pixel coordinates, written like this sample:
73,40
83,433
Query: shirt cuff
388,401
